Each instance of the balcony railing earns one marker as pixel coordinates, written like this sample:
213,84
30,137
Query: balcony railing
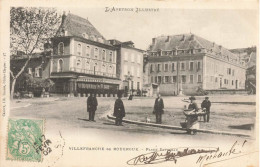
80,70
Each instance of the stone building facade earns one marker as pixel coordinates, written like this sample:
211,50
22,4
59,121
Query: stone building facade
83,61
186,63
129,66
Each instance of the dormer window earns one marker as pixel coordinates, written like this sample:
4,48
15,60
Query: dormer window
61,48
85,35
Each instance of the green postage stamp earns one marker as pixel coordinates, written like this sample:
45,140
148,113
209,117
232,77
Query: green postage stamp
23,137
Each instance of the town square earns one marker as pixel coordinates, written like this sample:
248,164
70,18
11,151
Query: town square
130,85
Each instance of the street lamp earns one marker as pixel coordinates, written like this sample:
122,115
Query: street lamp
129,78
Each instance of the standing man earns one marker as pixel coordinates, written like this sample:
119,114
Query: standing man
158,109
206,104
119,110
92,106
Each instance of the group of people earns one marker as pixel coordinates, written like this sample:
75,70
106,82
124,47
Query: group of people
158,109
119,109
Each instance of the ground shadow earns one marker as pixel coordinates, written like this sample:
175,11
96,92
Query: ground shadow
109,123
243,127
83,119
179,133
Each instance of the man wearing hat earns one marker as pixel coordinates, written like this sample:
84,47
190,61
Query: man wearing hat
158,109
206,104
119,110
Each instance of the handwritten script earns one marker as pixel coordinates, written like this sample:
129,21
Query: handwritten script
208,155
169,155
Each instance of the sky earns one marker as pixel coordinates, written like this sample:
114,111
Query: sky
229,28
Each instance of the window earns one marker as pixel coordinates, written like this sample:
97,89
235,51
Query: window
182,66
165,67
61,48
151,79
78,63
191,66
138,85
132,57
138,59
173,67
151,68
155,79
159,67
166,79
229,71
174,79
30,71
38,72
88,51
191,78
95,67
125,70
232,82
159,79
103,68
103,55
183,78
132,70
60,65
85,35
87,65
79,49
126,56
96,53
199,78
198,67
110,69
211,78
110,56
138,72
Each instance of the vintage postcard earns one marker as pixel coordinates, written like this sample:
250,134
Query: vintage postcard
129,83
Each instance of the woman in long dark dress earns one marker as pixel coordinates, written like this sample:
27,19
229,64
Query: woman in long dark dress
119,110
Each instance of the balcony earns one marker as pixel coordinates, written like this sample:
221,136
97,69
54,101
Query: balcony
80,70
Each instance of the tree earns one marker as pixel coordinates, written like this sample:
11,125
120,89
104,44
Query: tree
30,28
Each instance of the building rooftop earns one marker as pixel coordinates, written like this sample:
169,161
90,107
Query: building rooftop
188,41
73,25
246,54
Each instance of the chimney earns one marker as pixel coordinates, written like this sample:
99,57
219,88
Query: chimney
176,51
183,38
213,44
63,17
192,37
220,47
167,39
153,41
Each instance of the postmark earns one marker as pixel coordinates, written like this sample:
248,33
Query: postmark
23,135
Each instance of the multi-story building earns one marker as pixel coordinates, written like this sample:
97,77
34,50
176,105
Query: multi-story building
83,61
186,63
249,56
129,66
